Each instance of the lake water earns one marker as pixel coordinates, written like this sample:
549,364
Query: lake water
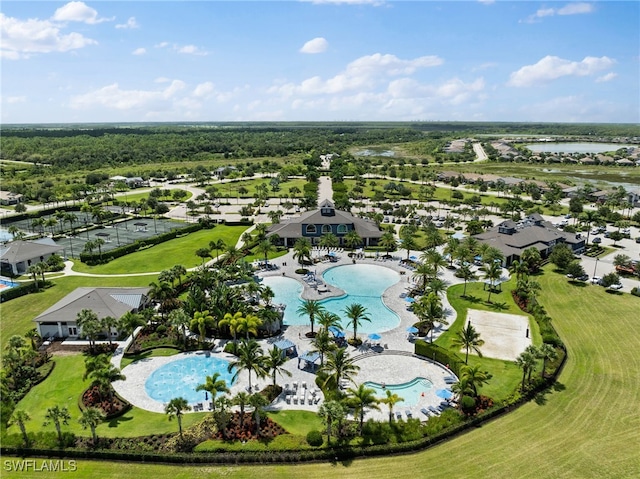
375,153
575,147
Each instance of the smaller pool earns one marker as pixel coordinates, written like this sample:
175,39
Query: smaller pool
410,392
181,377
4,283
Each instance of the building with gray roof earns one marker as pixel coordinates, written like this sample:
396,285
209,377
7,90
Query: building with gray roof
512,238
60,320
19,255
326,219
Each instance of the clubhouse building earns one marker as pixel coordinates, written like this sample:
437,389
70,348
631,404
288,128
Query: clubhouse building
512,238
326,219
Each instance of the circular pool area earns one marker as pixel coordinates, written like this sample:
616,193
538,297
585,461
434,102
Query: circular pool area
362,283
181,377
410,392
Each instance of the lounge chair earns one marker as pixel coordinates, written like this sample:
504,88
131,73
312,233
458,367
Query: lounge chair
295,399
288,398
398,415
408,413
424,411
316,400
434,411
310,400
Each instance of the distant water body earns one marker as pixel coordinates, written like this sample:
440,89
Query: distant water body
575,147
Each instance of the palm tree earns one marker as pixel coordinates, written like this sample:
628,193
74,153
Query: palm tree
251,358
175,408
232,322
451,248
99,242
520,269
332,412
33,270
213,386
258,402
391,400
388,242
492,274
58,416
329,240
548,353
274,361
467,338
203,254
435,260
474,377
361,399
89,325
179,320
90,418
163,294
589,217
352,239
339,367
429,310
241,399
312,309
104,376
467,275
327,319
217,245
356,314
526,361
108,323
249,324
201,320
302,251
408,242
129,321
265,247
323,344
20,417
178,272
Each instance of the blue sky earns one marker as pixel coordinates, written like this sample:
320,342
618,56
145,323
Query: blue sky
324,60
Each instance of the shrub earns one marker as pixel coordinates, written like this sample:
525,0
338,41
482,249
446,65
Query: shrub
635,291
468,404
314,438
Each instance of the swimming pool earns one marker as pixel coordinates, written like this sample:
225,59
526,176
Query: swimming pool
410,392
4,283
362,283
181,377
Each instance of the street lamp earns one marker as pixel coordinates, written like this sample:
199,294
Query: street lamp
596,267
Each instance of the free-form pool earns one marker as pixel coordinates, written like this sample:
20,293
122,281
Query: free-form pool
181,377
362,283
410,392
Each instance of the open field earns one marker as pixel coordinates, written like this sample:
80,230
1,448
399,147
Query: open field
586,427
165,255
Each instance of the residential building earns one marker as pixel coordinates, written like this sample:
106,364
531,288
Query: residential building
19,255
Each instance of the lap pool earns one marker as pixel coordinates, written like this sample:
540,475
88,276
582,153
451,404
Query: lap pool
181,377
410,392
362,283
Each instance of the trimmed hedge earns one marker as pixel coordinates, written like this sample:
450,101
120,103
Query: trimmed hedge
22,290
439,354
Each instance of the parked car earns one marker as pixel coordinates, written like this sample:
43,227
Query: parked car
597,240
584,277
638,239
615,286
596,280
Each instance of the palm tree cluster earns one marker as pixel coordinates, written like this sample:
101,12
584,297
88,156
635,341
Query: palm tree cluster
529,359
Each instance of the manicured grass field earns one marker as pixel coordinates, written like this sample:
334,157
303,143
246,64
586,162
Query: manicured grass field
587,427
157,352
165,255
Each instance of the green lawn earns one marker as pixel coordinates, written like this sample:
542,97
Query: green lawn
587,427
157,352
132,196
165,255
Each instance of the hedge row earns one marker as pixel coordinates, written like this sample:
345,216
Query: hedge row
12,293
93,258
439,354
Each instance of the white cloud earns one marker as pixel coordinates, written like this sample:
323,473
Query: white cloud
78,12
190,50
205,89
161,45
317,45
362,73
14,99
552,67
21,38
605,78
574,8
131,24
139,51
113,97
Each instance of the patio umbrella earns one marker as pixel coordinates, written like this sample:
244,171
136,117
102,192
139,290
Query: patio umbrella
336,332
412,329
444,394
409,299
374,336
413,258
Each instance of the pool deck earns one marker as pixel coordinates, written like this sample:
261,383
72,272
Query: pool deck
391,363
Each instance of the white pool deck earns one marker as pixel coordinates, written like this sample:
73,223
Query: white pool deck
380,367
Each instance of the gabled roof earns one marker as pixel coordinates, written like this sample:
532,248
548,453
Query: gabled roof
292,228
19,251
104,302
